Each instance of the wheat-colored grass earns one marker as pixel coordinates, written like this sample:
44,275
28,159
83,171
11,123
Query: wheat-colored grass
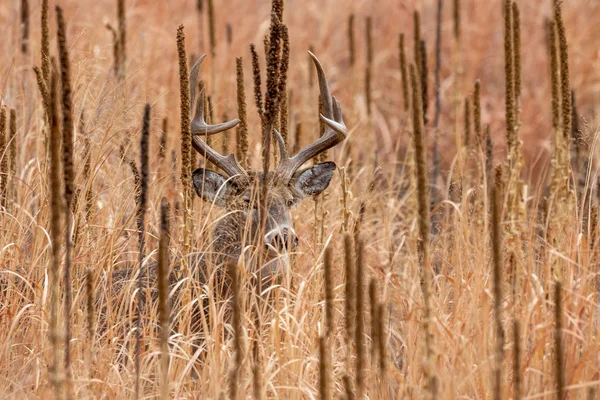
462,312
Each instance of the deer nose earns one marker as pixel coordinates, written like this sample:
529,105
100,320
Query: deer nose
283,239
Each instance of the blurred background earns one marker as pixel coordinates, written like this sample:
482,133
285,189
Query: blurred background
152,72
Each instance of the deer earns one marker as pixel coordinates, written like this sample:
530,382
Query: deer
237,191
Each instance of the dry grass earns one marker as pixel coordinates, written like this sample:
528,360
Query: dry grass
463,323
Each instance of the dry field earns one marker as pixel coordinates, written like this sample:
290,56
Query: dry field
480,283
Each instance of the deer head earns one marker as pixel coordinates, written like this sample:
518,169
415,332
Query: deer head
238,190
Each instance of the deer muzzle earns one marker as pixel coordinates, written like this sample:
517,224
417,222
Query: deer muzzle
281,239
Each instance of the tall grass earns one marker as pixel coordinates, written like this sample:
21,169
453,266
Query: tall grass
438,295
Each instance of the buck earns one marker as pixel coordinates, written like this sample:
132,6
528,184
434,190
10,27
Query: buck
238,192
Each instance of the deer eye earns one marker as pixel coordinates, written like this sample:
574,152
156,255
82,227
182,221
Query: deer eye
289,203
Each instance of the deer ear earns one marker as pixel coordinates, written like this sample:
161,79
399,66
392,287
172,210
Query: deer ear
312,181
210,186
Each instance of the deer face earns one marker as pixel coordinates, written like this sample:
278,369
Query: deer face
241,195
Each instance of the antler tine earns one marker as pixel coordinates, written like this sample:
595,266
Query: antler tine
228,164
335,134
199,125
323,85
281,143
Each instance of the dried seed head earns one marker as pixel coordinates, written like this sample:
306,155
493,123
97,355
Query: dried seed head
229,33
477,112
186,134
12,142
45,43
67,108
555,73
516,25
565,84
55,231
511,132
211,28
257,81
24,26
404,73
424,70
242,131
456,19
467,122
3,157
122,47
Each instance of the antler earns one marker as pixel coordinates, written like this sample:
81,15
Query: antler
335,130
228,164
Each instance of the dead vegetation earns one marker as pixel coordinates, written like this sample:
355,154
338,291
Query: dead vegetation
453,255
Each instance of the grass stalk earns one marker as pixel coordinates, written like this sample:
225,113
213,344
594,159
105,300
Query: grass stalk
456,20
404,73
141,227
242,130
324,369
565,83
69,177
12,150
24,26
258,101
382,353
489,152
438,67
360,322
212,34
283,77
237,332
122,39
559,357
497,274
4,173
555,73
329,296
229,33
200,14
45,43
43,87
374,303
162,149
163,297
350,293
297,138
424,70
517,360
467,122
369,67
186,142
423,208
509,79
56,214
477,114
516,34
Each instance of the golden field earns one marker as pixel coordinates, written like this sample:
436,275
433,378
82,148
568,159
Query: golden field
547,206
